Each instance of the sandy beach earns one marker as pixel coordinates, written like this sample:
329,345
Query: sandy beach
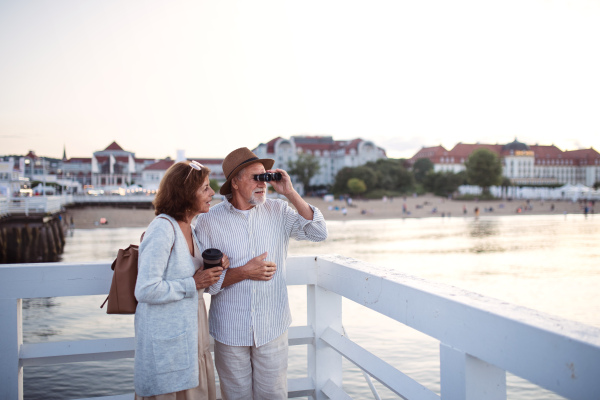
427,206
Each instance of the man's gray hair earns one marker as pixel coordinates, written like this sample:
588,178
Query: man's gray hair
238,176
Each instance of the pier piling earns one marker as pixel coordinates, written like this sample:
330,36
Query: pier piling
32,238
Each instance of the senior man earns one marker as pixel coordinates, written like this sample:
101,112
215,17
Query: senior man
249,312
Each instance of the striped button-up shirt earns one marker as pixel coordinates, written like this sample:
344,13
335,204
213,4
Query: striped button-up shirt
253,312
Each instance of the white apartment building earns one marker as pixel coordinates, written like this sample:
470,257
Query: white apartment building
333,155
11,180
523,164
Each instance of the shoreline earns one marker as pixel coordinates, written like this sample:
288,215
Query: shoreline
426,206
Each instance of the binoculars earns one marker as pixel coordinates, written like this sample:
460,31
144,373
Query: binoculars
268,176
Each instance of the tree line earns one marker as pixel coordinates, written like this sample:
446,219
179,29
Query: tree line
395,177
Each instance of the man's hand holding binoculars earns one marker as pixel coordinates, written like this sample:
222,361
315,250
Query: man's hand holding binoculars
283,186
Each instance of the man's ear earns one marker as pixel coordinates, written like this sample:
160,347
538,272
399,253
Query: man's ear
234,183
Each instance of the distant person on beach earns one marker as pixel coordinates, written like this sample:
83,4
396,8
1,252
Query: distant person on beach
172,354
249,313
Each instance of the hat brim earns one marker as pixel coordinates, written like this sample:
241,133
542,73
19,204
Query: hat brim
226,188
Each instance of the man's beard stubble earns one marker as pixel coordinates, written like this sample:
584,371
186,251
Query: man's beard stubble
255,200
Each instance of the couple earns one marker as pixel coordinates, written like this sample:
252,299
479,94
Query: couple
249,312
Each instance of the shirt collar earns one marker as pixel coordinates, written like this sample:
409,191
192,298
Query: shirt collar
231,208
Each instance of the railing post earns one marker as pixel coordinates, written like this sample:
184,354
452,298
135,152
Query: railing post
11,339
464,377
324,309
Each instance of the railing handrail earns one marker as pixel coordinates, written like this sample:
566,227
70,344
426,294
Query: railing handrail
36,204
130,198
552,352
55,203
476,333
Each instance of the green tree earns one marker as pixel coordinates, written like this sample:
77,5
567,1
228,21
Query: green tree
304,168
364,173
392,175
420,169
214,184
341,179
484,169
356,186
443,183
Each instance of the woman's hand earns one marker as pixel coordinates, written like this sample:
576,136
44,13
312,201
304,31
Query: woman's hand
206,277
225,261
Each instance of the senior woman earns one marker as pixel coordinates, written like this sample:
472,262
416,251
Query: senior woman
172,357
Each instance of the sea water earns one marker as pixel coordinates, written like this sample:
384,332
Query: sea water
548,263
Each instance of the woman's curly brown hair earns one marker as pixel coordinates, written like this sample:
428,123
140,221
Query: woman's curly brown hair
176,195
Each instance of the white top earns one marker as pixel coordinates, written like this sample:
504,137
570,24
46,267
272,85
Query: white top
253,312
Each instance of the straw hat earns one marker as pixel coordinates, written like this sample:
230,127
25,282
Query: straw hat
238,160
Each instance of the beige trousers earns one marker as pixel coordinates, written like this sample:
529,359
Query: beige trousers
253,373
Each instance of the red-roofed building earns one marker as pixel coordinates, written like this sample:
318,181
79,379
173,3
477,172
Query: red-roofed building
114,146
79,169
109,168
112,166
30,168
333,155
116,167
522,163
216,167
153,173
434,154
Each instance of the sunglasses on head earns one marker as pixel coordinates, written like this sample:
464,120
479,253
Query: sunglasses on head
194,165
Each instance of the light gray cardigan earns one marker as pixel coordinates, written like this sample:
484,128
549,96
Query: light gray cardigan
166,318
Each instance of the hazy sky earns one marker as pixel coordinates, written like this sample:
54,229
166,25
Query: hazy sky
211,76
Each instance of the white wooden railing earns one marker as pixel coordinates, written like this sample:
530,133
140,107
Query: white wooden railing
480,338
107,199
54,204
34,205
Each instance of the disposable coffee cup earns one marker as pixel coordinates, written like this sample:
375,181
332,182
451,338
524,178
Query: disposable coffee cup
212,258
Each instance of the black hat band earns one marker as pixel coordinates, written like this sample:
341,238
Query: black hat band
242,163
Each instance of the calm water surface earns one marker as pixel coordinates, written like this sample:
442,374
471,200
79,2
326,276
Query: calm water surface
549,263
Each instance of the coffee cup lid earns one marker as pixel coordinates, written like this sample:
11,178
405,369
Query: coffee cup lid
212,254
